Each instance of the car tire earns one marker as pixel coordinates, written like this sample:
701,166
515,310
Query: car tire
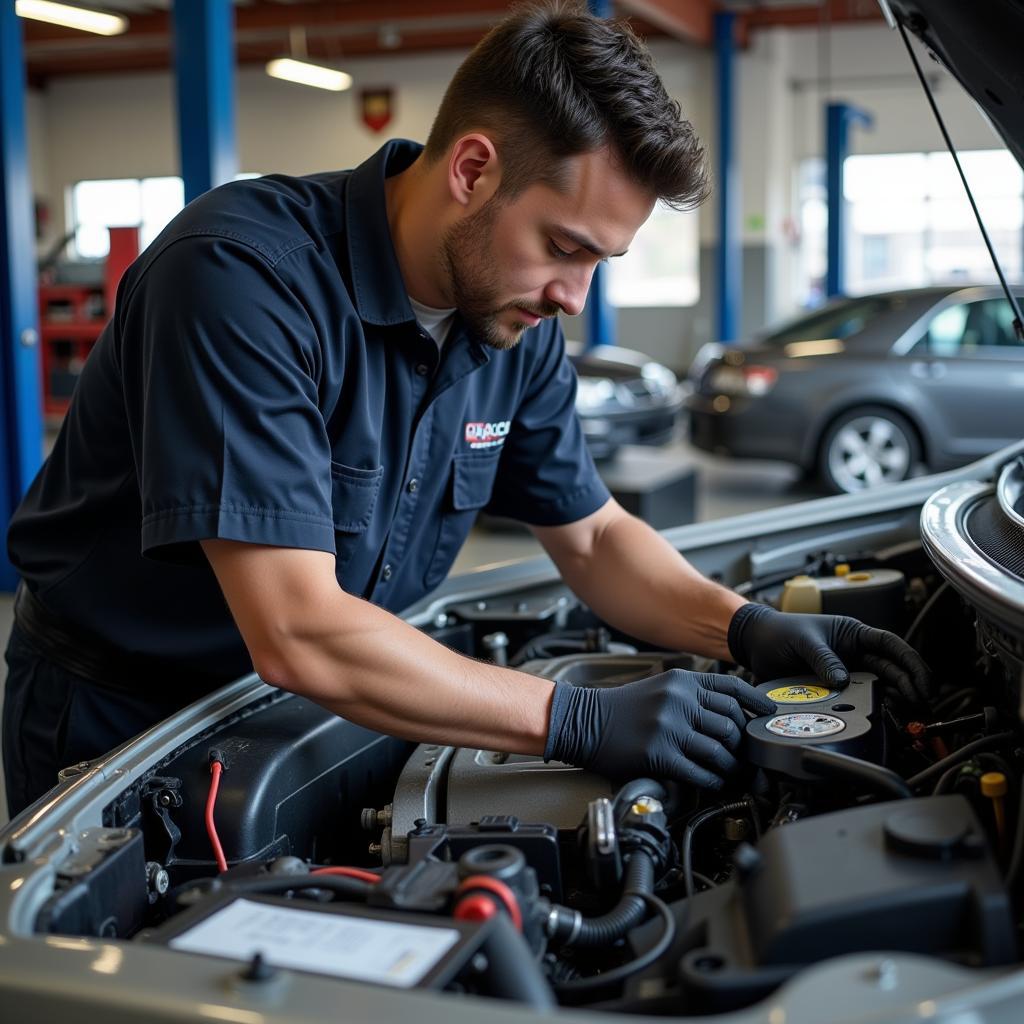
866,447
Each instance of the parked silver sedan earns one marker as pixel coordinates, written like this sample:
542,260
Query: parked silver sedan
866,389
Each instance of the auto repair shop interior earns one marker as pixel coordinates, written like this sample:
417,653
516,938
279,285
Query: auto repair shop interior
811,383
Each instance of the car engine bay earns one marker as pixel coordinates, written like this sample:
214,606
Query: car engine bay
859,821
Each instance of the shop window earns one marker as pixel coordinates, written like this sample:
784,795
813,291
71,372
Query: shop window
909,223
661,267
148,203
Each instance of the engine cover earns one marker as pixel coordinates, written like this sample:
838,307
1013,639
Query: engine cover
909,875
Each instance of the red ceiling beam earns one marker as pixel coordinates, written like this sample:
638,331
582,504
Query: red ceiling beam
350,28
158,59
835,11
287,15
277,15
688,20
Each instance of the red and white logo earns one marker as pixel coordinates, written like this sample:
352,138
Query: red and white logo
487,435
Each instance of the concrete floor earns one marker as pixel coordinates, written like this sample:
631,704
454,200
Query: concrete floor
725,488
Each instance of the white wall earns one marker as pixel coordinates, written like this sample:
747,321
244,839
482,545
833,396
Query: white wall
126,125
870,68
35,129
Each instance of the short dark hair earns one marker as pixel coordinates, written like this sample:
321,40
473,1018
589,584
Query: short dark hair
553,81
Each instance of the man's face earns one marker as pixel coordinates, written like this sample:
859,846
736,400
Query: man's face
512,263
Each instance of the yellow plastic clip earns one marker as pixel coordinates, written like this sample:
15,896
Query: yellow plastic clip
993,786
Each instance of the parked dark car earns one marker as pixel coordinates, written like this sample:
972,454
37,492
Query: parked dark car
865,389
624,397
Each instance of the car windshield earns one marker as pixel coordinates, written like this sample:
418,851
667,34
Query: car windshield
838,320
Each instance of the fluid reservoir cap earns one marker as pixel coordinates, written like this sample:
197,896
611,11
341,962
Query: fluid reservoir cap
801,594
805,725
800,693
859,577
843,569
934,834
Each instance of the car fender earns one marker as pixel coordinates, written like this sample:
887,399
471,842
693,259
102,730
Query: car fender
907,401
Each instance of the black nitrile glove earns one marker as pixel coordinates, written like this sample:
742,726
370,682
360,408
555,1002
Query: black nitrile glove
677,725
774,645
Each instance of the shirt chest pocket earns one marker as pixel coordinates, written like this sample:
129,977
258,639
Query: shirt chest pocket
469,489
353,499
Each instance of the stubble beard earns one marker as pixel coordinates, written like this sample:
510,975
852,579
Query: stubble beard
465,251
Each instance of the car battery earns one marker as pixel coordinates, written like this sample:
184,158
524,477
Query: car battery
342,940
810,714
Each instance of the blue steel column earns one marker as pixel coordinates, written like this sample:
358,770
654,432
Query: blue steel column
729,264
204,62
21,426
838,119
599,312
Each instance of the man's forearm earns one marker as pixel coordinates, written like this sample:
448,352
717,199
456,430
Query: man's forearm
635,580
367,665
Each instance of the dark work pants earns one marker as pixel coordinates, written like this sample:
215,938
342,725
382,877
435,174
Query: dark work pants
54,718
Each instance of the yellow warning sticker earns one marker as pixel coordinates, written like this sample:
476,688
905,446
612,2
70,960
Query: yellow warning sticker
800,694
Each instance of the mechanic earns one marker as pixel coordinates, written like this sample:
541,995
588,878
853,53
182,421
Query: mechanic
308,389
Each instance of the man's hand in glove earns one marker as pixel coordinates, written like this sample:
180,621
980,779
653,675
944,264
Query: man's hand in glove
777,644
678,725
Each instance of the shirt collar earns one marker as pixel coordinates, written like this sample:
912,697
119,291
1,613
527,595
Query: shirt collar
379,289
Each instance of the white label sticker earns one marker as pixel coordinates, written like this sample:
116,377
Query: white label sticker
350,947
805,725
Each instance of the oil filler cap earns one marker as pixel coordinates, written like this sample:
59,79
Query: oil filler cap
934,833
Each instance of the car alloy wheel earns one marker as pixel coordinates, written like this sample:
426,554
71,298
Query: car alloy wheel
867,447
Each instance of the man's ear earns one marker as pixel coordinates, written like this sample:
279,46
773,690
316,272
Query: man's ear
474,171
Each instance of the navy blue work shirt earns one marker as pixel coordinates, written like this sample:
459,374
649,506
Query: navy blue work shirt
264,379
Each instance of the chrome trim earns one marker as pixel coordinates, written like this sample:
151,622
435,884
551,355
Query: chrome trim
602,824
1009,490
955,556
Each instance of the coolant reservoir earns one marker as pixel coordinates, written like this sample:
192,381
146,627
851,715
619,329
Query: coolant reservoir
875,596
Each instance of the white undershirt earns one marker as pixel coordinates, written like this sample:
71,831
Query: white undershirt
436,322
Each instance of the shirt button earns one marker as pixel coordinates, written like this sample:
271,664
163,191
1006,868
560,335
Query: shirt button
422,369
413,485
386,573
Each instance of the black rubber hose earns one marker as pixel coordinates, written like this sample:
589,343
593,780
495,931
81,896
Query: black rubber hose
352,888
512,970
1017,855
587,986
841,766
949,777
965,753
691,828
947,781
627,913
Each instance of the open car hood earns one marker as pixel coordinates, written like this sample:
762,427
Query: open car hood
979,42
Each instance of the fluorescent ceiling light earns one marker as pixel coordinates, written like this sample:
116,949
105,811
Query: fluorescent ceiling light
71,17
309,74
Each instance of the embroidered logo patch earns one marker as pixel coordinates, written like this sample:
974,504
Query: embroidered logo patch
487,435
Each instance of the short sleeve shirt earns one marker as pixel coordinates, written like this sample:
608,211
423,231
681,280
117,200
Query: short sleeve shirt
263,379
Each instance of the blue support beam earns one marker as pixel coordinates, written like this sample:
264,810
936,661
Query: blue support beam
729,265
204,63
599,312
839,118
21,424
